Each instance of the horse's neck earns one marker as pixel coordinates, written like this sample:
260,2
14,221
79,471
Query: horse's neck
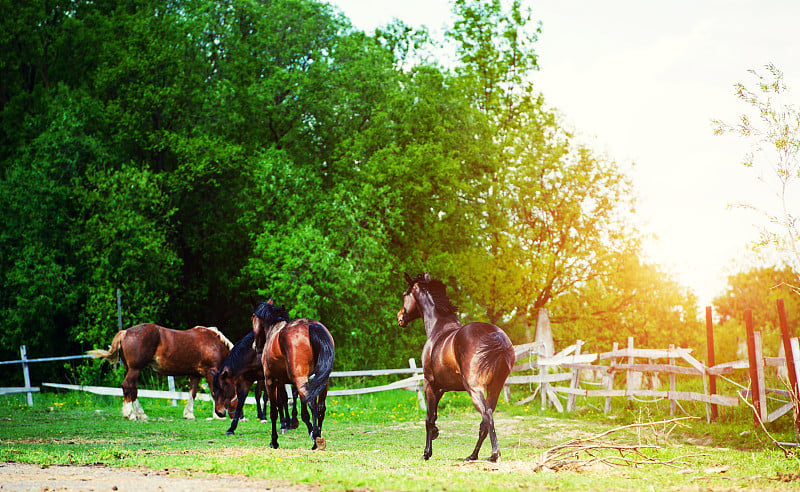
435,323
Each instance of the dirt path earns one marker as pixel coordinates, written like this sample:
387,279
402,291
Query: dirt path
26,477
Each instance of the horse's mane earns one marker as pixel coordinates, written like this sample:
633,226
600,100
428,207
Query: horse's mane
239,351
438,291
222,337
271,313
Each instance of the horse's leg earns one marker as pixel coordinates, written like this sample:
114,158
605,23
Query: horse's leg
241,396
305,416
293,423
273,413
131,409
261,396
493,394
283,408
432,397
314,431
487,424
319,441
188,411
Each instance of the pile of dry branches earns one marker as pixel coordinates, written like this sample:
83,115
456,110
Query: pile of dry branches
594,451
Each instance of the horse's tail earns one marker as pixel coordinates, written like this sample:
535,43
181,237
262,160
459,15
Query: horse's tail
497,354
112,354
322,344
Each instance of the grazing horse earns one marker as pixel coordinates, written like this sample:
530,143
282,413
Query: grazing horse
476,358
298,352
233,381
194,353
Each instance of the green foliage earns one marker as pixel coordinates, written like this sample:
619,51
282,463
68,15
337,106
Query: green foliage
196,155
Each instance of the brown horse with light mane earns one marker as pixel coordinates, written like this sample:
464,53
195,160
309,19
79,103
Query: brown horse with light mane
194,353
476,358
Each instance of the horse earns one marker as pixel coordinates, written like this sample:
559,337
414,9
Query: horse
298,352
476,358
233,381
195,352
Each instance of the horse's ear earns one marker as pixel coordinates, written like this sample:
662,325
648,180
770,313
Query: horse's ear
253,302
427,277
409,280
270,301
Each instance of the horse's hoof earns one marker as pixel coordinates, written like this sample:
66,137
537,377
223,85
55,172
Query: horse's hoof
264,421
273,445
319,444
493,458
471,458
228,433
282,431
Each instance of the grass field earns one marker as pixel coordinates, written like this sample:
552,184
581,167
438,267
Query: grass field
375,442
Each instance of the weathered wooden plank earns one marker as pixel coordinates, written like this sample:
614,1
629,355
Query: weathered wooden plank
539,378
783,410
641,353
673,395
19,389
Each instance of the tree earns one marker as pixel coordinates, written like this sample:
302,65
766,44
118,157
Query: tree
773,129
631,299
555,214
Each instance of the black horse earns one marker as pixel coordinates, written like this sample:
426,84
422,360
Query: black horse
233,381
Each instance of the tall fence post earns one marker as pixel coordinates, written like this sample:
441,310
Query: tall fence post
672,386
712,380
755,390
610,378
23,354
786,336
171,385
119,309
420,396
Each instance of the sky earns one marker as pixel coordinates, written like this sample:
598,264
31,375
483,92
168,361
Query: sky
641,81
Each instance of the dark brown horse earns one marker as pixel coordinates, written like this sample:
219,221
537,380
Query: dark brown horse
476,358
298,352
233,381
194,353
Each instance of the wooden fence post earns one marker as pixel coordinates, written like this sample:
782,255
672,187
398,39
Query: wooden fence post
576,379
171,386
628,372
420,395
672,403
610,378
712,380
786,336
23,354
751,357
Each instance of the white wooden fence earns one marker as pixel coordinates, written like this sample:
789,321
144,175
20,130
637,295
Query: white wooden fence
567,366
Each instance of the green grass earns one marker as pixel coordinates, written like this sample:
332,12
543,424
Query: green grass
375,442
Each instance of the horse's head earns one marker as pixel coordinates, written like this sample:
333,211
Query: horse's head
223,390
410,310
265,315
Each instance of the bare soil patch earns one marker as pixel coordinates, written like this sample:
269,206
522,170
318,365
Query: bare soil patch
28,477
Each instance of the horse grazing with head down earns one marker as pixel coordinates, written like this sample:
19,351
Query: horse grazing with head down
241,369
476,358
195,353
298,352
